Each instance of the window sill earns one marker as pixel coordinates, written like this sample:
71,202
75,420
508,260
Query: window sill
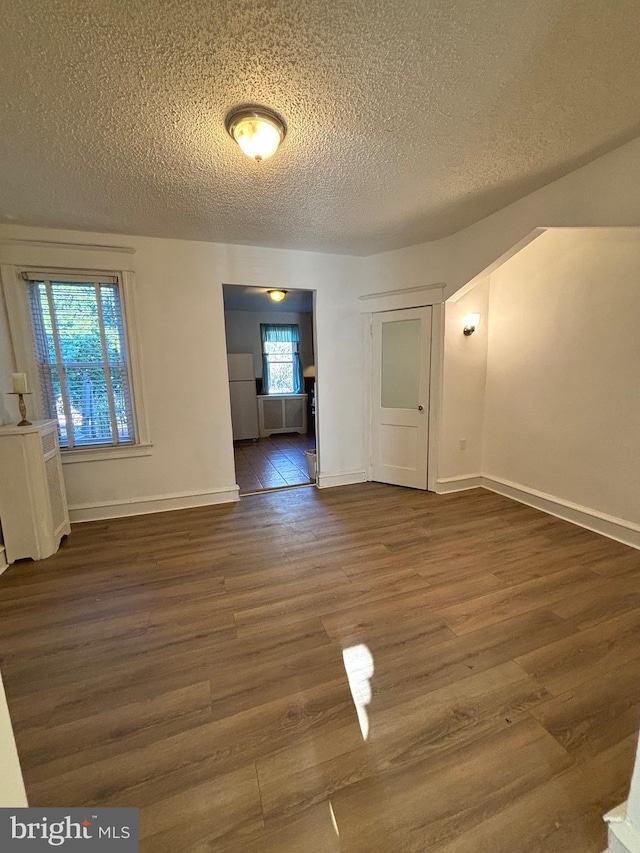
104,454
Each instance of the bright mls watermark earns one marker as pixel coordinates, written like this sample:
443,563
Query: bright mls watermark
104,830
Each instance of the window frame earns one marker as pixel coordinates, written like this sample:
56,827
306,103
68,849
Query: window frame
17,302
295,354
277,360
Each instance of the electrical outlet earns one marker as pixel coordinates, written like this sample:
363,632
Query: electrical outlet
463,444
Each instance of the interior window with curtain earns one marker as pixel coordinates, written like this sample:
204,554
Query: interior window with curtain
281,366
79,341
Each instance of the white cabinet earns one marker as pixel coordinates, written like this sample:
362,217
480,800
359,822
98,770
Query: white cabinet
33,504
282,413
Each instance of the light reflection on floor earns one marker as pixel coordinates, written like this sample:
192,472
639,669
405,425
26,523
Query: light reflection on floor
358,664
333,819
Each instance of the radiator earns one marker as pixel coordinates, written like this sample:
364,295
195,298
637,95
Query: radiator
282,413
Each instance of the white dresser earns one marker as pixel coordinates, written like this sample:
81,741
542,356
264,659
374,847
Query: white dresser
33,504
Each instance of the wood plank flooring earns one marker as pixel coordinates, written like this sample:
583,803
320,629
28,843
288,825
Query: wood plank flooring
366,669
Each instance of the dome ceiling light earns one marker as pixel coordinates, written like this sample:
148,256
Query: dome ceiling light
257,130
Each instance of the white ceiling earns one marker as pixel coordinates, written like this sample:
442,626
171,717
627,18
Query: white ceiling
408,119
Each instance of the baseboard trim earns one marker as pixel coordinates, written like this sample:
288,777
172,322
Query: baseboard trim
344,478
3,559
445,485
623,838
607,525
157,503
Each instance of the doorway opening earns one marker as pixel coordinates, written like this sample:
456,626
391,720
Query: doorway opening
272,383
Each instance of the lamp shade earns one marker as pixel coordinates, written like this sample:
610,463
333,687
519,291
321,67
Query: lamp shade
469,323
471,320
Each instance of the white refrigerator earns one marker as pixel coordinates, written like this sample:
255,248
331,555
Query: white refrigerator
242,390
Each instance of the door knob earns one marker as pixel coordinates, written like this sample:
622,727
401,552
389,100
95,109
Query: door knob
421,408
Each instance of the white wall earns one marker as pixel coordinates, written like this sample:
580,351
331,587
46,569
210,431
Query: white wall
602,193
414,266
562,407
243,333
182,346
182,328
463,387
12,793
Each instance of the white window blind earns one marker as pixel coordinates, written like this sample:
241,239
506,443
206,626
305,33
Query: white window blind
80,347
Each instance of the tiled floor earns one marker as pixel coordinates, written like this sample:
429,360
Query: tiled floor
273,462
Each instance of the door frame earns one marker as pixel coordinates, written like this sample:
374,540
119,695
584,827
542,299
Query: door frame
314,335
395,300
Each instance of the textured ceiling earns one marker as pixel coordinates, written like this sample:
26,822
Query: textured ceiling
408,119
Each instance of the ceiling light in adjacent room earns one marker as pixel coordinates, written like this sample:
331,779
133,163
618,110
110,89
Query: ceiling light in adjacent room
257,130
277,295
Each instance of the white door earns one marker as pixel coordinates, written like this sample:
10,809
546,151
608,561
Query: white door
400,396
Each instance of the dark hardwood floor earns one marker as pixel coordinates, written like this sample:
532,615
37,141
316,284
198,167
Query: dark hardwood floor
367,669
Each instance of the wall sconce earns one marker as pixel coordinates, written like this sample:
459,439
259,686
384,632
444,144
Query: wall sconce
470,322
277,295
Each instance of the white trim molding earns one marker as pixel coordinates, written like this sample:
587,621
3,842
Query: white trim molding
615,528
343,478
624,821
156,503
430,295
623,835
24,355
436,385
395,300
498,262
83,247
446,485
3,559
132,336
105,454
607,525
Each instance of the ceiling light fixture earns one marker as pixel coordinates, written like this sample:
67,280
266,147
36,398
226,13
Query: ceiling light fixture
257,130
277,295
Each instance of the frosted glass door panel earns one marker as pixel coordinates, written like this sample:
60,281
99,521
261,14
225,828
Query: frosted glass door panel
400,364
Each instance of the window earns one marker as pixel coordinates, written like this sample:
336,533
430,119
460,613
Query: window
281,368
81,357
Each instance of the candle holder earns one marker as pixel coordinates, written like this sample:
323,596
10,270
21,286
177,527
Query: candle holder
21,406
